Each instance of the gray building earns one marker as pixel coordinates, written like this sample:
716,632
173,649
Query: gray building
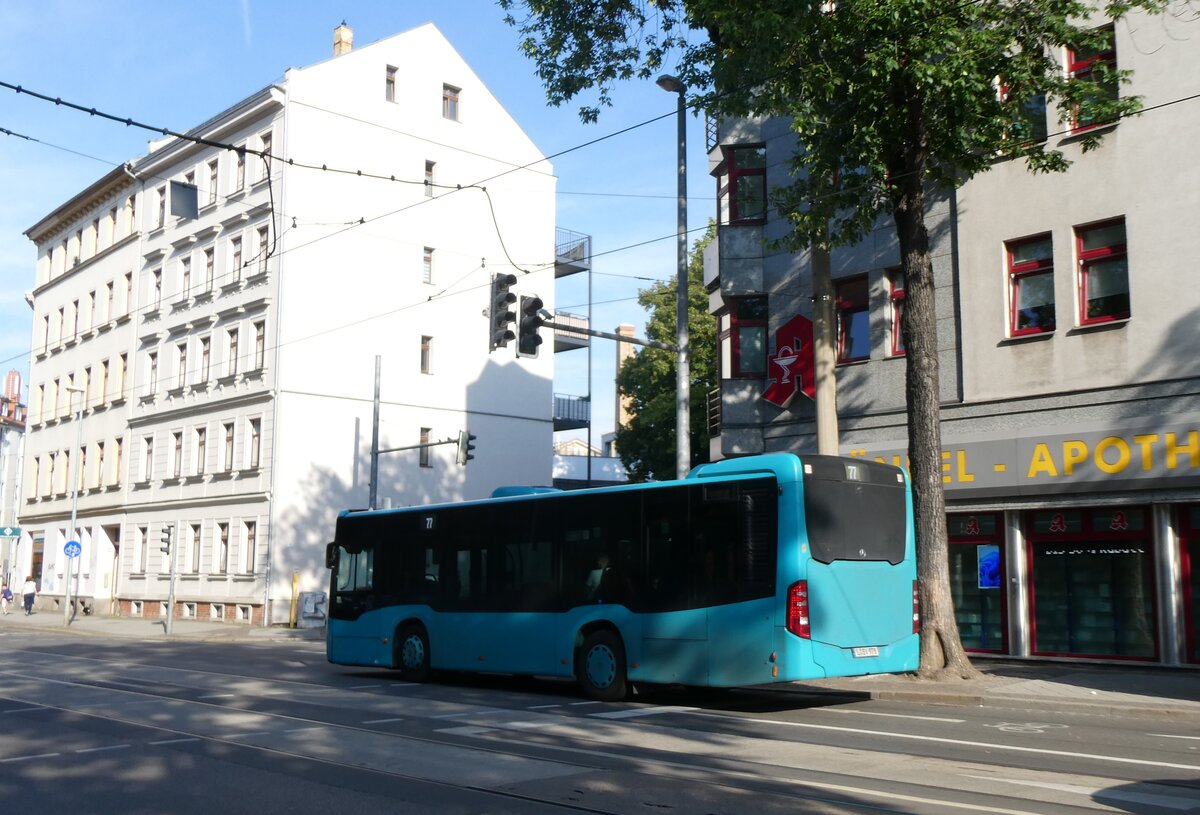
1069,380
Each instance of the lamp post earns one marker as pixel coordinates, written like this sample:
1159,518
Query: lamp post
74,476
683,454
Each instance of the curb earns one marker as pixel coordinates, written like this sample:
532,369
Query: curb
1105,709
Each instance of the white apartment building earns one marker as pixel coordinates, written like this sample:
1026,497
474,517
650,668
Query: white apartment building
207,320
1069,379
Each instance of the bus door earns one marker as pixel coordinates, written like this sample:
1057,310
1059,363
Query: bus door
674,630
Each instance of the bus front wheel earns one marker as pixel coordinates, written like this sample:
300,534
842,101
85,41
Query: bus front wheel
600,667
412,653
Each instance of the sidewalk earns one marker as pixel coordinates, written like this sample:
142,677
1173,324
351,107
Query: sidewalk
1100,689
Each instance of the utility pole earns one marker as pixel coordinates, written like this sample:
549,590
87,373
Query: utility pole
374,488
824,349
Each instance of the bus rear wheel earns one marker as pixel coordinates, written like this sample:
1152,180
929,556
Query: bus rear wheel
600,667
412,653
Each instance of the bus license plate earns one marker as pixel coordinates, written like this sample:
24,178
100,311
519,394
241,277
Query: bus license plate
866,651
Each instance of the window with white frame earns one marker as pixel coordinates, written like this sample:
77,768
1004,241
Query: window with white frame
239,176
427,265
209,268
141,549
121,373
235,260
151,373
249,546
131,213
254,444
200,441
182,356
128,296
101,448
260,345
450,102
1103,272
177,458
429,165
161,220
389,84
1030,285
156,289
231,356
221,549
205,358
118,447
227,458
185,277
426,352
147,458
213,167
193,548
263,243
266,141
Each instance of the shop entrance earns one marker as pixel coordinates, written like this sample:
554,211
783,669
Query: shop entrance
977,580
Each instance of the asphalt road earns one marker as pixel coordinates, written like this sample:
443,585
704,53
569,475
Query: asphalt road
98,725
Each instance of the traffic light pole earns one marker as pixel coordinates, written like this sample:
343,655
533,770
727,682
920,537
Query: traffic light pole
591,332
170,541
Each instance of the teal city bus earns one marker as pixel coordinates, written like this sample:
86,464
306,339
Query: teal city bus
752,570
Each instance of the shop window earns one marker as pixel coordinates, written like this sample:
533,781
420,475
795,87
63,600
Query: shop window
977,580
1096,65
1030,286
742,187
1103,272
1093,583
896,299
745,338
853,320
1189,561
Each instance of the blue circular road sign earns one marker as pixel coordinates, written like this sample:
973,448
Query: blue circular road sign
72,549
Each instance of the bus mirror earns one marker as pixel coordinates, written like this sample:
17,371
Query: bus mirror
330,554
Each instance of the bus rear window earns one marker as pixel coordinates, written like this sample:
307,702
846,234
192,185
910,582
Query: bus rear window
854,511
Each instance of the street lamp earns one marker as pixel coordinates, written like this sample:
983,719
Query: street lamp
74,476
683,454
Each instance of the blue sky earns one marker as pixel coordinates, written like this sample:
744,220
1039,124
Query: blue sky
175,64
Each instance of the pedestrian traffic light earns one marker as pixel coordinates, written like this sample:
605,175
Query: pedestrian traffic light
528,338
500,313
465,446
168,533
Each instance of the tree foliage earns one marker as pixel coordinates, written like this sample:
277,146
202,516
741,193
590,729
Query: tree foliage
887,99
647,443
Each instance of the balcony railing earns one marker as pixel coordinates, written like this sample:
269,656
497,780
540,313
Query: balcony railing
714,413
572,252
571,412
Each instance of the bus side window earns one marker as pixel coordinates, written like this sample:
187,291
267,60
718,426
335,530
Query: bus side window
666,534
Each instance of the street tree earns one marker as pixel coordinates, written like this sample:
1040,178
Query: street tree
646,443
888,100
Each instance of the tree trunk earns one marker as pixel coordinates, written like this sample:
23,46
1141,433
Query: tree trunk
942,654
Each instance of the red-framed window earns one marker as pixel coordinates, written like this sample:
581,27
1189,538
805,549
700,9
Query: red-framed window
1097,65
1030,124
742,187
1103,272
1189,561
1092,583
1030,286
744,338
978,579
896,298
853,319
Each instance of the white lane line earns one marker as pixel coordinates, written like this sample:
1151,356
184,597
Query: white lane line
171,741
894,715
466,731
380,721
102,749
1169,736
579,704
303,729
634,713
364,687
481,712
245,735
25,710
217,696
962,742
1102,794
542,707
27,758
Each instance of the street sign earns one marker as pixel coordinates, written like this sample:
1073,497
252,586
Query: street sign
72,549
10,532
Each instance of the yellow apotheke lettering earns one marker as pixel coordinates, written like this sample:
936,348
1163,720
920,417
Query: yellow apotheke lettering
1114,455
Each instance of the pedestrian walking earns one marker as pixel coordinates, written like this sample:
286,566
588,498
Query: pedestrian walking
6,597
29,590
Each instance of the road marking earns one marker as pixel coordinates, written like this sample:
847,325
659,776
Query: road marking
578,704
25,710
982,744
1102,794
542,707
1026,727
245,735
364,687
380,721
480,712
634,713
28,758
217,696
1163,736
895,715
102,749
303,729
466,731
171,741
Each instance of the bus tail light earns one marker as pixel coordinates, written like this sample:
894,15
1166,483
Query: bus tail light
916,608
797,610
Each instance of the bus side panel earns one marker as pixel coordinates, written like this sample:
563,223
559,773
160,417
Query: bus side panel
569,624
741,638
365,641
493,642
675,648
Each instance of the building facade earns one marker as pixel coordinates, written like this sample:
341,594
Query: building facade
1069,384
208,320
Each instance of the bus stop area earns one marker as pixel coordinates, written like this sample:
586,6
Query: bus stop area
1103,689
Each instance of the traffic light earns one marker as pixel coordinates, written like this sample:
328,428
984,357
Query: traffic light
528,338
500,312
465,446
168,533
